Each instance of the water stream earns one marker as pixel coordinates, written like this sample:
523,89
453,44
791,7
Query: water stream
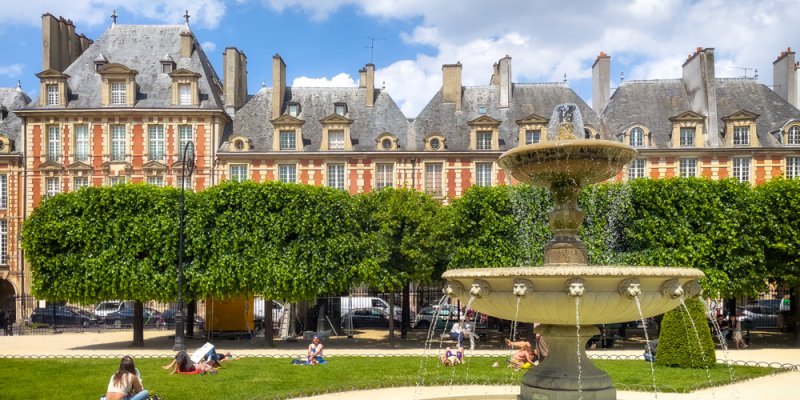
647,344
579,344
699,345
423,367
723,343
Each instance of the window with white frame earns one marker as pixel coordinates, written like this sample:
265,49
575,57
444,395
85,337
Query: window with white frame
238,172
186,180
741,169
340,108
483,174
52,95
336,176
3,242
52,186
53,143
793,136
184,94
533,136
637,137
79,182
288,140
792,167
335,140
81,142
687,136
184,137
118,143
434,183
119,96
741,135
636,169
156,142
3,191
287,173
116,180
484,140
155,180
293,109
687,167
384,175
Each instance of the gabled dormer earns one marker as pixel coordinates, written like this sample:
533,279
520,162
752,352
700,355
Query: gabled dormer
532,129
287,133
483,133
118,85
687,130
184,88
636,135
167,64
52,88
5,144
336,132
740,129
99,61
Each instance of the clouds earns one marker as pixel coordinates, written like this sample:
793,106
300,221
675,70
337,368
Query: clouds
340,80
11,71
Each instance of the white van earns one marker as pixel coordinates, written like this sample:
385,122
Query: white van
355,302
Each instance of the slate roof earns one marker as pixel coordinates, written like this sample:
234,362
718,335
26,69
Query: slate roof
252,120
527,99
12,99
651,104
141,47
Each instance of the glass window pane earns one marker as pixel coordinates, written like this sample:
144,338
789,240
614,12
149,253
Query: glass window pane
53,143
336,140
287,173
384,175
156,140
118,143
184,94
483,174
3,191
687,136
336,176
81,142
533,136
288,140
434,184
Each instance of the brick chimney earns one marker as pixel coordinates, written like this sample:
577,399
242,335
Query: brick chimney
278,85
362,78
187,43
601,82
701,86
451,84
784,77
369,85
61,46
235,74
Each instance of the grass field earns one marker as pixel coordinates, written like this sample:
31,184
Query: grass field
276,378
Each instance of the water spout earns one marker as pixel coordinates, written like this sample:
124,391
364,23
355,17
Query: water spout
672,288
574,287
647,343
480,288
522,288
630,288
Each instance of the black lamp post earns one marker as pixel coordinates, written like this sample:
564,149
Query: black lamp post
187,167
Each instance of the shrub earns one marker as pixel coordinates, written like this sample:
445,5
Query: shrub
680,344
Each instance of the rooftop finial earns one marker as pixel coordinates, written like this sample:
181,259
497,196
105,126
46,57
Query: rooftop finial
383,86
622,76
565,77
186,17
19,84
114,17
263,83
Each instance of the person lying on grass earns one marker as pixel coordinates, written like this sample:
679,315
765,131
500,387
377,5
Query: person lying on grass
452,358
183,364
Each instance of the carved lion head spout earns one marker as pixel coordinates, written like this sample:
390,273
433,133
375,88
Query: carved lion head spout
672,288
574,287
630,288
479,288
692,289
453,289
522,287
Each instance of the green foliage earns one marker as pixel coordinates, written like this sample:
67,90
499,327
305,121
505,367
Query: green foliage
685,340
405,228
284,241
498,227
608,211
104,243
779,201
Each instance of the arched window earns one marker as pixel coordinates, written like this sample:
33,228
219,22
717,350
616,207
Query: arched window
793,137
637,137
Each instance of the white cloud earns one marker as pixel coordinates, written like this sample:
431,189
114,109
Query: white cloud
12,71
340,80
209,46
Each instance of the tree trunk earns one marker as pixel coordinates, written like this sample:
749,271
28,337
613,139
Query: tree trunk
405,323
188,323
268,332
794,310
138,324
391,321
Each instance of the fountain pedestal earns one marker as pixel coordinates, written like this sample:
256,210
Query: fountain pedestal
558,376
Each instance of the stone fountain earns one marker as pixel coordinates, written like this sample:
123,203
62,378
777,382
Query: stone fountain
565,295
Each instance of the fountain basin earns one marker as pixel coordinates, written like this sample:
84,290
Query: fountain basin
605,296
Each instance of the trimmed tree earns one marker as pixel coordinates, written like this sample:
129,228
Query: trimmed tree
685,340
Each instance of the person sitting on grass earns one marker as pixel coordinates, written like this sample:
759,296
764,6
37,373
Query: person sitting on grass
125,383
452,359
524,357
650,350
315,355
183,364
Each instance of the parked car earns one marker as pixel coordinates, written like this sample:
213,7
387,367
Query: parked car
64,316
106,307
372,317
168,316
447,312
125,318
757,316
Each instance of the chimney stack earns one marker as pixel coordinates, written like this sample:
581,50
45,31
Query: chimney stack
503,71
369,95
61,46
187,43
784,77
701,86
235,74
601,82
278,85
362,78
451,84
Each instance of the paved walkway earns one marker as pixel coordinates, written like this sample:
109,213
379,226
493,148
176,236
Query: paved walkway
158,343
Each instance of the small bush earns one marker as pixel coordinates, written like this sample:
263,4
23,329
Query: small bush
678,344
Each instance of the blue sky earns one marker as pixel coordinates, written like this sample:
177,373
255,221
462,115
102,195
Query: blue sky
325,42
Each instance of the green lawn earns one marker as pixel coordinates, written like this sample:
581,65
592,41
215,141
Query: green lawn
269,378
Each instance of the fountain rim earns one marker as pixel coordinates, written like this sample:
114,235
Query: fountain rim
570,270
567,144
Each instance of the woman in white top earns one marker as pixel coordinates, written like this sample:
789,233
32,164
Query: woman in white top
125,384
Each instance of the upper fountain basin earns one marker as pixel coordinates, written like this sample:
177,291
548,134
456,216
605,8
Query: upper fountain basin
580,161
548,294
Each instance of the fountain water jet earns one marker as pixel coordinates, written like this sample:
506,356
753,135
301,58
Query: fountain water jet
565,164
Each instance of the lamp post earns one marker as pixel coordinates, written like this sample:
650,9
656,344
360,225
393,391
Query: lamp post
187,167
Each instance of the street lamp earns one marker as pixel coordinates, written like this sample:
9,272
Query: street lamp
187,167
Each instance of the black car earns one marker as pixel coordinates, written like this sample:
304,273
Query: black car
125,318
64,316
169,318
367,318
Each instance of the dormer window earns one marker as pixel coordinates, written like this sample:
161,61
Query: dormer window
533,136
119,85
166,68
293,109
53,88
637,137
687,136
481,110
434,142
238,143
793,136
184,88
386,141
99,62
484,140
167,64
184,94
119,94
340,108
335,140
741,136
52,95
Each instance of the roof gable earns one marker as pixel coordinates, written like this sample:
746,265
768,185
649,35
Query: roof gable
741,115
533,119
484,120
687,116
336,119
